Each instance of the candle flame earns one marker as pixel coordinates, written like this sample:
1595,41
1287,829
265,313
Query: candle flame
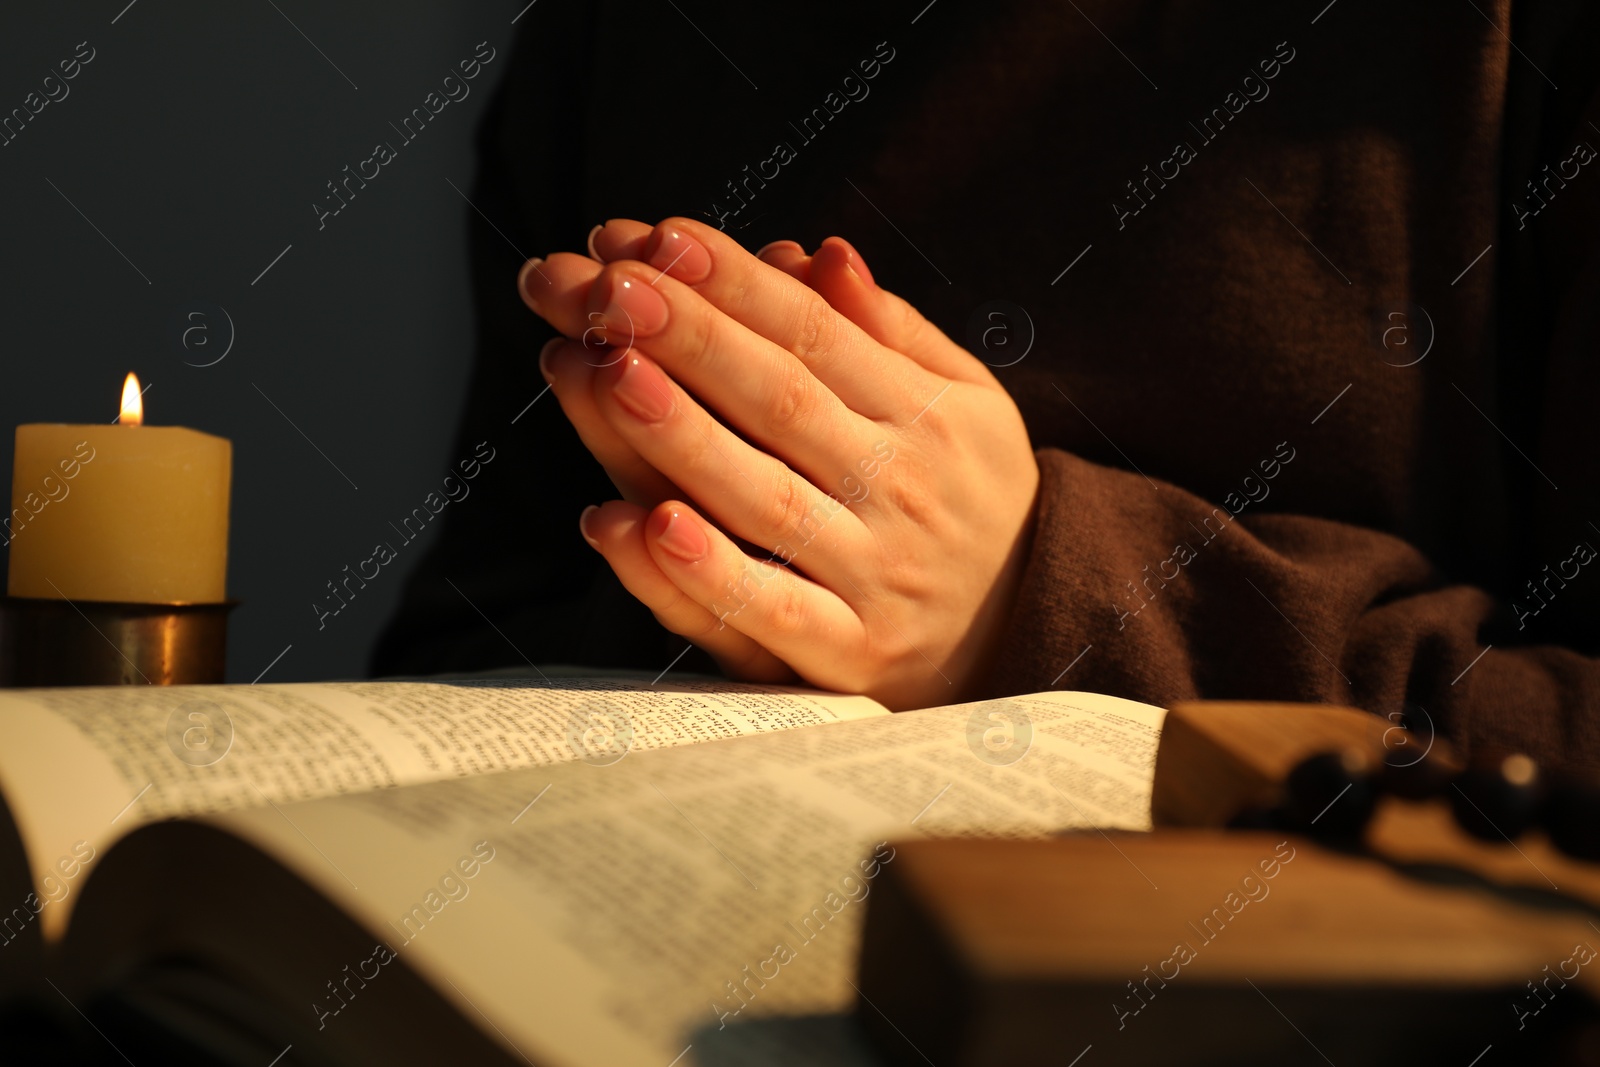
132,402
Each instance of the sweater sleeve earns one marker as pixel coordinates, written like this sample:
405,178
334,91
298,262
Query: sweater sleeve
1161,596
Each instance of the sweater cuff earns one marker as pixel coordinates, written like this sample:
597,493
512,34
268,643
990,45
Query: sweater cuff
1069,627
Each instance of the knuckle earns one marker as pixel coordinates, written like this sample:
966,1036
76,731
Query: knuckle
916,505
784,613
794,405
816,328
905,582
784,510
738,299
795,515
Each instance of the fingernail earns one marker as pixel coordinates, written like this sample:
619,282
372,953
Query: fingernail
681,256
633,309
527,279
544,359
639,386
583,525
854,263
680,535
589,241
761,253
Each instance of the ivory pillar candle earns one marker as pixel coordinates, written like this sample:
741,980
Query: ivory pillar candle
122,512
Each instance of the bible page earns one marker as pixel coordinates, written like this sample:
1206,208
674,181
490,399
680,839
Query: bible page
82,766
659,909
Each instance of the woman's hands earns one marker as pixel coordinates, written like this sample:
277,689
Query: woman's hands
882,473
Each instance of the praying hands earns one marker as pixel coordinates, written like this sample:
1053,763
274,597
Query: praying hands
817,484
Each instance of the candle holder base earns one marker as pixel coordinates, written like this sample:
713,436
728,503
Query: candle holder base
85,642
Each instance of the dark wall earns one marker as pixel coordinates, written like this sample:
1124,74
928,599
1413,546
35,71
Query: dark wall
178,164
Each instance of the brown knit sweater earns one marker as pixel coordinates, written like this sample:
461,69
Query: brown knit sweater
1310,364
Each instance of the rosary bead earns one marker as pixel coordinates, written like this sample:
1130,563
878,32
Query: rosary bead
1498,796
1331,795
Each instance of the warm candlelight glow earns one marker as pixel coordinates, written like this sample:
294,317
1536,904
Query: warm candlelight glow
132,402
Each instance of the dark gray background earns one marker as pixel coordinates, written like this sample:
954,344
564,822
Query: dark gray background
197,141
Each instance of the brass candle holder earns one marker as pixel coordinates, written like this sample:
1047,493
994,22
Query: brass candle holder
86,642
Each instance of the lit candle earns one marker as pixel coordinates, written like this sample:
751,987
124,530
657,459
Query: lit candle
122,512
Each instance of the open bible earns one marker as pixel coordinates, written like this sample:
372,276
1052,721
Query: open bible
499,870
